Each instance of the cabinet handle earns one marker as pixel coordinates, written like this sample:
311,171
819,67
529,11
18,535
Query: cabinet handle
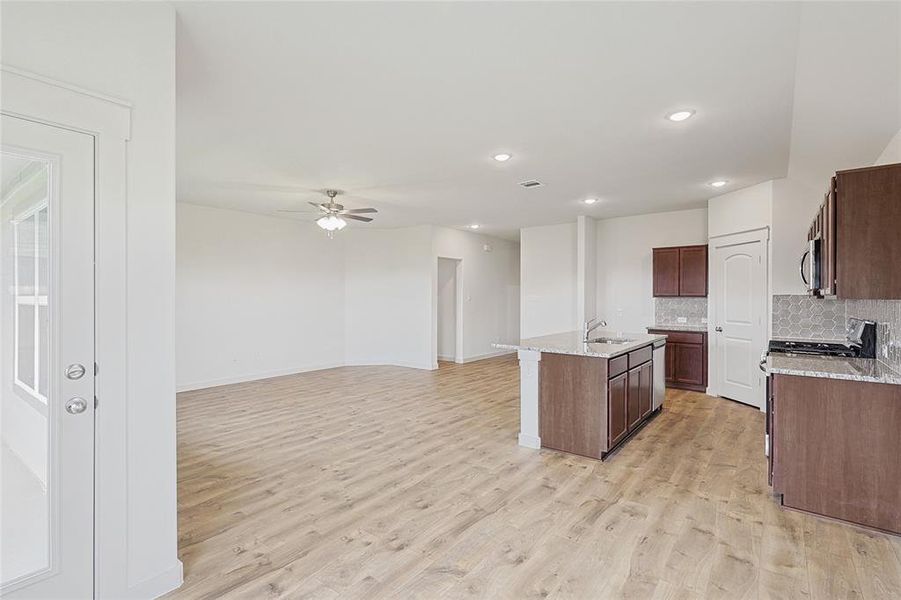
803,278
719,329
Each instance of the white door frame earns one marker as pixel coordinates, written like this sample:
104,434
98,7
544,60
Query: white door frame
458,307
36,98
761,235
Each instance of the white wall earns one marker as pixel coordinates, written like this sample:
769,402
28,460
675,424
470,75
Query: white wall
586,269
389,310
741,210
794,206
548,280
490,284
892,152
624,262
256,297
128,50
447,309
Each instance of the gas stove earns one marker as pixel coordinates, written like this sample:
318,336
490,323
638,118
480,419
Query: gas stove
860,343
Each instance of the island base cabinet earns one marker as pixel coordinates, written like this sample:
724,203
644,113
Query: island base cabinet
572,407
836,448
589,405
617,391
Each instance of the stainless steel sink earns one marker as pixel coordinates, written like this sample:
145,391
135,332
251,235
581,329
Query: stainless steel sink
609,340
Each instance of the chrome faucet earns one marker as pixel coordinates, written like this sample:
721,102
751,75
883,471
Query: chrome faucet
591,325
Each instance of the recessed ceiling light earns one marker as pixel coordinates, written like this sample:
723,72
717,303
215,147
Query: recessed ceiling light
719,183
474,226
590,200
502,157
680,115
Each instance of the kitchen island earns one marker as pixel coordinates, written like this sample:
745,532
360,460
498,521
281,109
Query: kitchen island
585,398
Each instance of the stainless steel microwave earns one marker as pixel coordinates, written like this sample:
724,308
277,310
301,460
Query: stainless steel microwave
812,266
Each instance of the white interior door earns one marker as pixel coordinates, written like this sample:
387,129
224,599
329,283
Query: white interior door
739,288
47,359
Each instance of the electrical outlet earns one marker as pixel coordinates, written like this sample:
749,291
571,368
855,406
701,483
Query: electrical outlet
681,320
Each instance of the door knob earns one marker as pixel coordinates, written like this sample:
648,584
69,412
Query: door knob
719,329
75,371
76,406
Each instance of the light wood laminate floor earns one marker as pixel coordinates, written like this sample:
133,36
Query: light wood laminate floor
383,482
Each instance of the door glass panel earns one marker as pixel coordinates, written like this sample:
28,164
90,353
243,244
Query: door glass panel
25,474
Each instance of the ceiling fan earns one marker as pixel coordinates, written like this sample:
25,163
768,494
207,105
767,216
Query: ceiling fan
332,215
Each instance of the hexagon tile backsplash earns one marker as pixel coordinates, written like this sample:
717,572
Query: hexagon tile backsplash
826,319
668,311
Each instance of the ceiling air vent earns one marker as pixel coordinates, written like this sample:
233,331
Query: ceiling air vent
531,183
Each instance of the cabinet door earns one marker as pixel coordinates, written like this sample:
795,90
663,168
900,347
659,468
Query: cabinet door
666,271
646,389
689,364
827,281
617,391
669,371
693,271
633,397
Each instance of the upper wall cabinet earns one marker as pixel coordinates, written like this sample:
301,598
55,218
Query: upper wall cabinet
680,271
859,231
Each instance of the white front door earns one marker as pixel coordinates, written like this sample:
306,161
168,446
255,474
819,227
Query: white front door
47,359
739,290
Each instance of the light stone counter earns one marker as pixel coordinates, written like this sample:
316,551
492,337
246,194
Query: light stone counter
571,342
681,327
832,367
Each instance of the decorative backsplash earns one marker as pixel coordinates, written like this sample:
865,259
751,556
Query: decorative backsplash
826,319
667,311
811,318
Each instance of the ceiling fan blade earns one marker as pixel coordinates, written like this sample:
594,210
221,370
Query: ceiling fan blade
356,218
348,211
304,212
319,206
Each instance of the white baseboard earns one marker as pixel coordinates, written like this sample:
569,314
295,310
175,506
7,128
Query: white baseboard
529,441
160,584
447,358
469,359
199,385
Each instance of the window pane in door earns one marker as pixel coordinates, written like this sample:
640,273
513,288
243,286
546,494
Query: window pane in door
24,231
25,344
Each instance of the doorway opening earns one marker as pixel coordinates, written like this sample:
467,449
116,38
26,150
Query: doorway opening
450,310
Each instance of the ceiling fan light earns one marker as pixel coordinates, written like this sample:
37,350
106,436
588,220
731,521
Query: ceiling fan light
331,223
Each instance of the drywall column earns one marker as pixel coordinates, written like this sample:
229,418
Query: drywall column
586,268
528,399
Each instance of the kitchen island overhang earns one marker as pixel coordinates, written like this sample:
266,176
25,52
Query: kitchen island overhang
585,398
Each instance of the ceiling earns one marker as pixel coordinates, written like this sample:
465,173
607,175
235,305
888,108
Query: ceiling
403,105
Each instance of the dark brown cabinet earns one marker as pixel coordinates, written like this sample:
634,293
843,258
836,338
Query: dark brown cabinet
693,271
680,271
646,389
634,397
686,359
857,227
639,387
834,448
588,405
666,271
617,391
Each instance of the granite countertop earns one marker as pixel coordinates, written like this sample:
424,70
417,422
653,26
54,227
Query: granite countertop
571,342
833,367
681,327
